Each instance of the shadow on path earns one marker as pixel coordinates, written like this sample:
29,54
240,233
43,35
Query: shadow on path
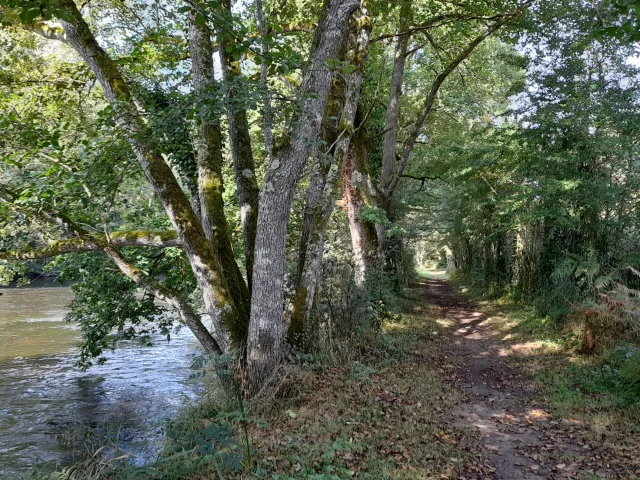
522,440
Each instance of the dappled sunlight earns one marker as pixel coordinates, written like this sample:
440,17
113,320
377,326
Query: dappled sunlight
521,438
532,347
602,423
445,322
537,414
397,327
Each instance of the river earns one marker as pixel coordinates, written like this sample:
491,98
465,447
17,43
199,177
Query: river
47,404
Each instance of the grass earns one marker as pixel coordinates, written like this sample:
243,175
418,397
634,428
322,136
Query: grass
380,416
380,411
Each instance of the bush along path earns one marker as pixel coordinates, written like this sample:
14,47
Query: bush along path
515,429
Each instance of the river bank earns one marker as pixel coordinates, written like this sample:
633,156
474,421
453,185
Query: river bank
449,389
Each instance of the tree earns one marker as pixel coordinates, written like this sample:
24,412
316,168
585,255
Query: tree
557,182
364,189
204,238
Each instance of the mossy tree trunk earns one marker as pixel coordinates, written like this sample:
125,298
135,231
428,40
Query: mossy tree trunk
394,162
247,191
209,274
359,192
264,344
208,146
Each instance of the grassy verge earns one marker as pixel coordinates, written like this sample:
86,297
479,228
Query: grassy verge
600,392
378,416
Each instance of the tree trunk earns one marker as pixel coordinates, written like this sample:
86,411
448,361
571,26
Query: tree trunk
208,146
393,103
311,264
267,112
319,170
589,338
321,164
264,343
247,190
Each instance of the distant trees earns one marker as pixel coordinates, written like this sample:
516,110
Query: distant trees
544,205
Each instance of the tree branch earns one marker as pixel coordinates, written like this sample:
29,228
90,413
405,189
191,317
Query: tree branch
88,242
436,22
186,312
47,31
422,179
431,97
140,238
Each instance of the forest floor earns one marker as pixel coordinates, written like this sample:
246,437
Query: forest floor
451,390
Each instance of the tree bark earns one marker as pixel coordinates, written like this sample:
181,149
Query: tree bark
140,238
247,191
393,103
321,164
358,192
267,112
264,345
208,146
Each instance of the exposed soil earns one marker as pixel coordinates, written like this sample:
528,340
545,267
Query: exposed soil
519,435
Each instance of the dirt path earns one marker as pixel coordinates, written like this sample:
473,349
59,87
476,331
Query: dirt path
520,437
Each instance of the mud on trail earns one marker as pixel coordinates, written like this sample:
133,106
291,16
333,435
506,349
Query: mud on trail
517,433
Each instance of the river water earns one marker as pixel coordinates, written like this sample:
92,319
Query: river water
47,404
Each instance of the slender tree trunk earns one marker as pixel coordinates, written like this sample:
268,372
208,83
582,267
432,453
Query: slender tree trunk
321,164
311,271
247,190
207,271
264,344
393,165
390,183
208,145
395,93
320,167
356,183
267,112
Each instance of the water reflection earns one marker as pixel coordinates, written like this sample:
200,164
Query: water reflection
43,396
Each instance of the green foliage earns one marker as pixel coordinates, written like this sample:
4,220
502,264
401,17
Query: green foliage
215,443
375,215
110,308
626,24
538,203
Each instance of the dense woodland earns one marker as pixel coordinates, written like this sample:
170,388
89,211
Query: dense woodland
273,171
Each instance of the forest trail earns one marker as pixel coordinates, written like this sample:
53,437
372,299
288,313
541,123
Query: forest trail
521,438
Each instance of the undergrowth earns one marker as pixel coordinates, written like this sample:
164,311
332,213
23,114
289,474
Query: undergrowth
370,418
